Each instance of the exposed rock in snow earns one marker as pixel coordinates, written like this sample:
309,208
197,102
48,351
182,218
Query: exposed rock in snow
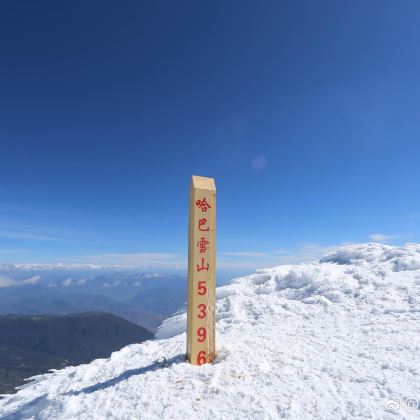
339,338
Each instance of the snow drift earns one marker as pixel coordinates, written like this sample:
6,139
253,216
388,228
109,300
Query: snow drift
338,338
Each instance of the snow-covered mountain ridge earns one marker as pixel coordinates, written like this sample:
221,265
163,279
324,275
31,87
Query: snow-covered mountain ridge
338,338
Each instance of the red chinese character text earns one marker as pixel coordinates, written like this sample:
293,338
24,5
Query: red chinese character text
202,204
202,266
202,222
202,243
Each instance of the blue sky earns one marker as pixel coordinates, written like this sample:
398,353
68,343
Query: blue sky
306,113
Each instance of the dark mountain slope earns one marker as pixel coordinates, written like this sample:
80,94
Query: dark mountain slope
17,365
33,344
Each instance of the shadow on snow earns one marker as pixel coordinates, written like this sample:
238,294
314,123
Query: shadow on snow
156,365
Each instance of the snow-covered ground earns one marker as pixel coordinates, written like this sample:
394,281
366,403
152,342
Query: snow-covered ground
338,338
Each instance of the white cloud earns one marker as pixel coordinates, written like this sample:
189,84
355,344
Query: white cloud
114,283
17,229
280,251
72,282
54,266
245,254
13,234
153,275
259,162
379,237
8,282
144,260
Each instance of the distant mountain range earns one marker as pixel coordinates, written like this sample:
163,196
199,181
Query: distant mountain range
143,298
31,345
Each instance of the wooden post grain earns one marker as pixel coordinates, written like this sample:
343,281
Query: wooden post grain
201,271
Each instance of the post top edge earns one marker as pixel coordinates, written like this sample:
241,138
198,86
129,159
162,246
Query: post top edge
203,183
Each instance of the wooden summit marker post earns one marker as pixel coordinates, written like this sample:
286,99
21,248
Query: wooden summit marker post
201,271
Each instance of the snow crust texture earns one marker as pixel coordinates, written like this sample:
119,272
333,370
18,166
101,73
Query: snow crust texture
334,339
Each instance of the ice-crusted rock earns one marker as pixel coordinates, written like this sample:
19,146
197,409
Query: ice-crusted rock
400,258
